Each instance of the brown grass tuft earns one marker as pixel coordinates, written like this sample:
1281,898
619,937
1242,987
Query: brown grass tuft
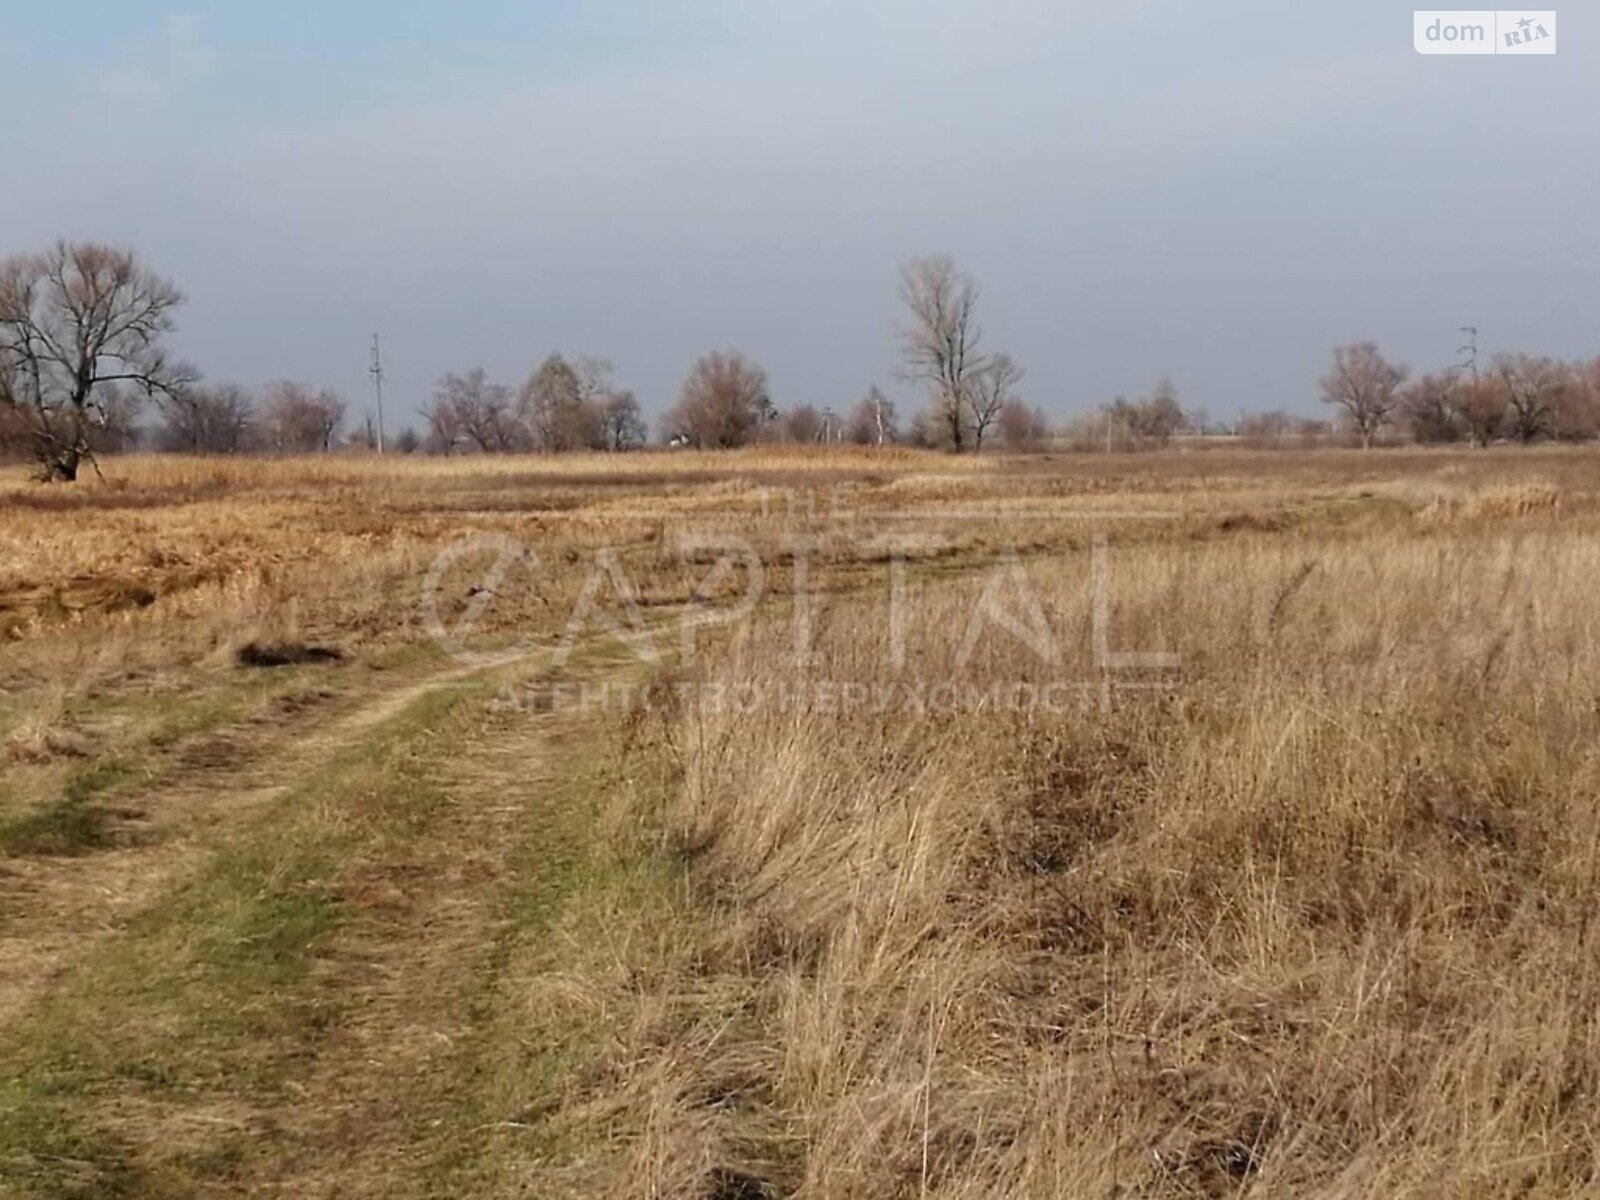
1534,498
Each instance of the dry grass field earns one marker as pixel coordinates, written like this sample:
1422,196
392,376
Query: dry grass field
338,858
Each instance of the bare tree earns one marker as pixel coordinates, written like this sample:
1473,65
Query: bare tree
873,421
444,425
990,390
1481,407
1021,427
551,389
298,419
1575,412
621,421
1366,386
595,378
803,424
940,345
1159,417
74,321
560,404
607,417
1533,389
470,410
723,404
208,420
1578,417
1431,407
1149,421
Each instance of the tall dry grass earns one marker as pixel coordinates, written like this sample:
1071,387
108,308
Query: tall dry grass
1313,921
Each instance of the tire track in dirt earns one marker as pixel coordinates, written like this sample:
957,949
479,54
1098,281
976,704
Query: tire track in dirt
54,911
380,1098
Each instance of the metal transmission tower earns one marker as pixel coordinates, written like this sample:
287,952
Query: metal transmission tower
1470,350
376,371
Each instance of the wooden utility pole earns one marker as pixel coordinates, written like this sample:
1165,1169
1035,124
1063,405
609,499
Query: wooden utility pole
376,371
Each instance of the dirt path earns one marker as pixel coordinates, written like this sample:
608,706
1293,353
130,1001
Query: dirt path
378,1057
394,1088
55,910
321,982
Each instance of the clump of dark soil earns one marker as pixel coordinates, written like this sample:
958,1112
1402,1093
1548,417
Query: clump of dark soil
285,654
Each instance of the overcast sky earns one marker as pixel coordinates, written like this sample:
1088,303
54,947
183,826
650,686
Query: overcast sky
1219,192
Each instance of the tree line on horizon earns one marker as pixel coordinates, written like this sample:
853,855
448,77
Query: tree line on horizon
82,355
1519,398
